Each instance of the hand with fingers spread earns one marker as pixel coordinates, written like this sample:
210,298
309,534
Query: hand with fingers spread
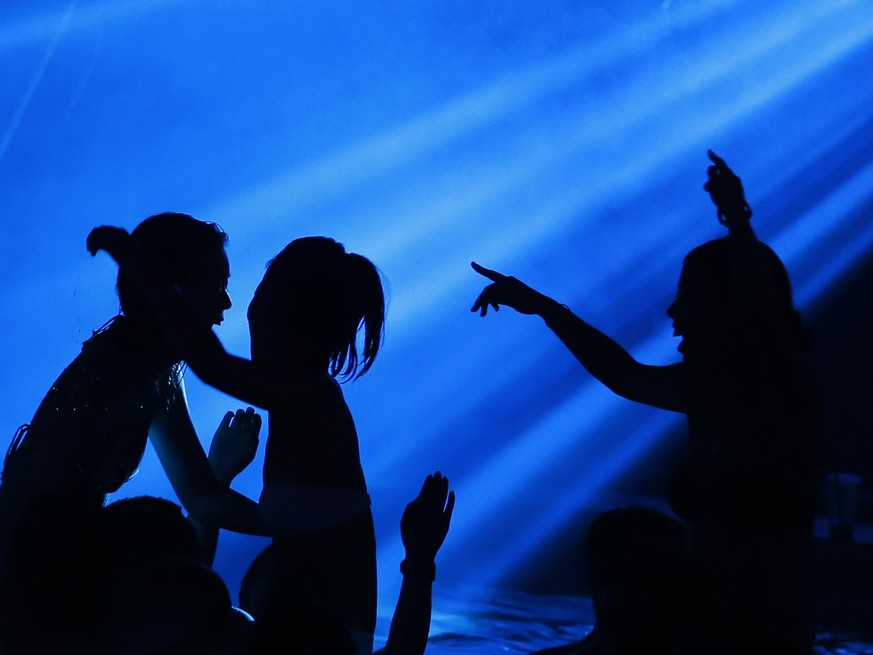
726,191
235,443
509,291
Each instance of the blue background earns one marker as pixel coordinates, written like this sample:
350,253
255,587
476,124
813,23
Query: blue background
560,141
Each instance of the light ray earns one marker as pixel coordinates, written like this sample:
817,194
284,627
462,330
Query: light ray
59,30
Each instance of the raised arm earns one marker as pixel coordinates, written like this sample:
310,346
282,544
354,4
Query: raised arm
762,307
205,498
726,192
204,353
423,528
606,360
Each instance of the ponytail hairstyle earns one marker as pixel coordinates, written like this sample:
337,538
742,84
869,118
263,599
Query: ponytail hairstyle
317,290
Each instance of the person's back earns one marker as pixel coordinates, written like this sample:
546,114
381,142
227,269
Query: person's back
89,433
314,445
172,604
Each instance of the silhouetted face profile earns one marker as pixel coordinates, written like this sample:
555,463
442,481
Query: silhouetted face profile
701,318
205,288
192,253
704,312
312,303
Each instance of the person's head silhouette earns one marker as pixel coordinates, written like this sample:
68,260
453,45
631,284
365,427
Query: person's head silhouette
311,304
192,252
704,312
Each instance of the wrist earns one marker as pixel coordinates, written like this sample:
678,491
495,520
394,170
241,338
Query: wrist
553,311
422,569
223,477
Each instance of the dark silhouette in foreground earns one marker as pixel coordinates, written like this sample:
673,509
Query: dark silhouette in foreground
747,481
642,585
124,579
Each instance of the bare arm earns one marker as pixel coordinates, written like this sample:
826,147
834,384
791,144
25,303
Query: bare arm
204,497
204,353
658,386
423,527
760,309
233,447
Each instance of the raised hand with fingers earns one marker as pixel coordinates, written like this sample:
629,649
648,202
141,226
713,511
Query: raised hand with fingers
509,291
423,528
235,443
726,191
425,521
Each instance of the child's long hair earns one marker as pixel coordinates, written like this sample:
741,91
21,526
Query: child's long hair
319,291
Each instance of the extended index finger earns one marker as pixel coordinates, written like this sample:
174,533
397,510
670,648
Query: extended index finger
714,158
719,162
494,276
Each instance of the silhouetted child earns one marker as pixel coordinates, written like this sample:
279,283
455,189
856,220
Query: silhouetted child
747,482
89,433
304,322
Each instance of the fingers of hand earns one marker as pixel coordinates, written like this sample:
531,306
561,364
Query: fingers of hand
715,158
494,276
245,419
485,299
450,506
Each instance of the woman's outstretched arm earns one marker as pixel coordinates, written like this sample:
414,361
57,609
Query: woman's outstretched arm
606,360
233,447
205,498
254,384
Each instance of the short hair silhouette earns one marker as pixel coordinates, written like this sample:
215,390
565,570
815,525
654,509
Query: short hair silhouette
148,526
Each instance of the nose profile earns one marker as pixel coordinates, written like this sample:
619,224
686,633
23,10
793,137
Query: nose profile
227,303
